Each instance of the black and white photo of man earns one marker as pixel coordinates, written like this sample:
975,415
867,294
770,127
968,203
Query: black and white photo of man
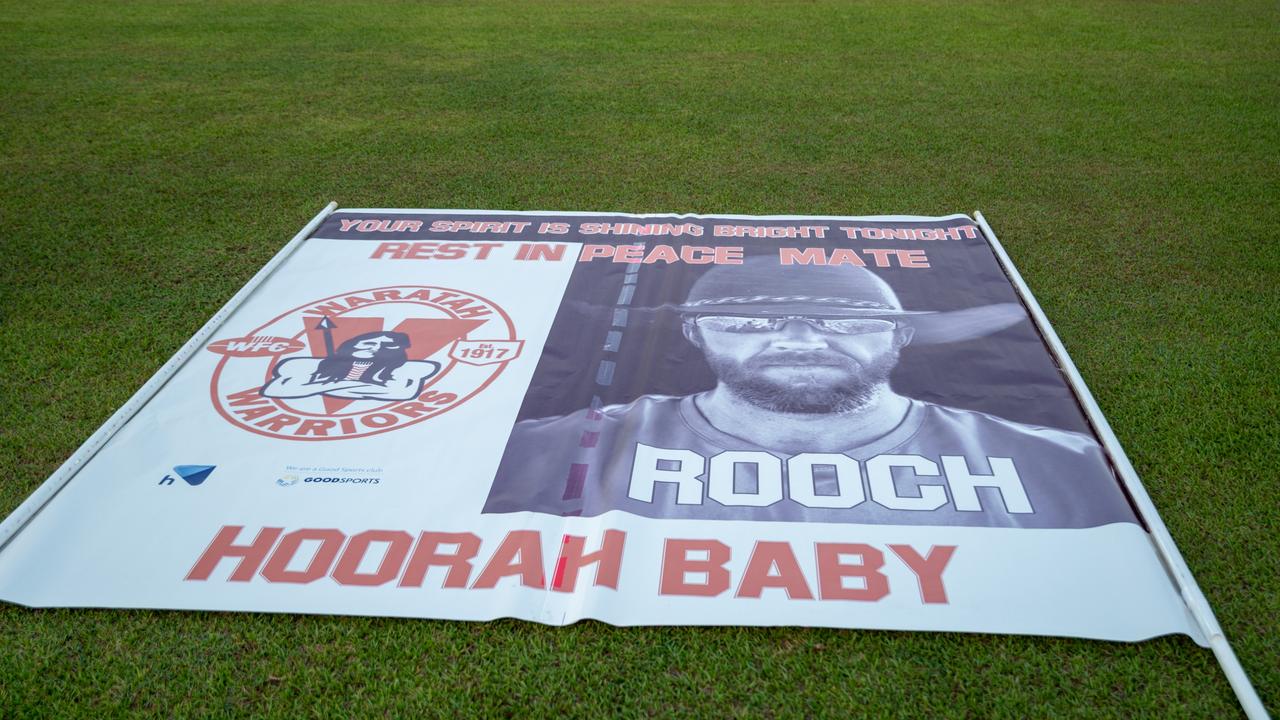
803,424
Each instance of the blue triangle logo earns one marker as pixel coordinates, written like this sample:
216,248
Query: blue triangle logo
194,474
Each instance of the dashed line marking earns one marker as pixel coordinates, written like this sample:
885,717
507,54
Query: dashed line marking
613,340
604,374
575,482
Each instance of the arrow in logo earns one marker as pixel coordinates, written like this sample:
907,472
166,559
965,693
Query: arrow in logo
326,326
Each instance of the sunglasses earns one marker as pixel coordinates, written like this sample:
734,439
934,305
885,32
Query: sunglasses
838,326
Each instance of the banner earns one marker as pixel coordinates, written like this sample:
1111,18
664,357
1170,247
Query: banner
647,420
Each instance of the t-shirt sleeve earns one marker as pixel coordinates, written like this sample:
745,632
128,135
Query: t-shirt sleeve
1068,480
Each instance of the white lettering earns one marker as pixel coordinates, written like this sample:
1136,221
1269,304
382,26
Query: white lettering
645,471
742,478
884,491
1004,478
768,478
800,480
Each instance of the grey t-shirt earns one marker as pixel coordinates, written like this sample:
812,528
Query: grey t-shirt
659,457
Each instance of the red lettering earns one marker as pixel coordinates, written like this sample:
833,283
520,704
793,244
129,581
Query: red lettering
246,397
427,554
329,308
412,409
629,254
664,253
697,255
608,561
928,569
379,420
808,256
760,574
471,311
519,554
222,546
880,255
832,572
451,250
346,572
277,568
276,423
912,259
257,411
437,398
592,252
319,428
394,250
676,565
728,255
845,256
484,248
421,251
540,251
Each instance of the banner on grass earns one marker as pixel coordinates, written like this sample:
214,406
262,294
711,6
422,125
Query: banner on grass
827,421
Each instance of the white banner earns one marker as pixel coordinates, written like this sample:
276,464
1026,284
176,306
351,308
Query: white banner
647,420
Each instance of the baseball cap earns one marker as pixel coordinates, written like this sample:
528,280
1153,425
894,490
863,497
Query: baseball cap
763,287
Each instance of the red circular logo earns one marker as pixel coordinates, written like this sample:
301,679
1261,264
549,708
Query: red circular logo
362,363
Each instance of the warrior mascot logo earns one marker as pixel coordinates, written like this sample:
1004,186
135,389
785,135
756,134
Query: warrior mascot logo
368,366
362,362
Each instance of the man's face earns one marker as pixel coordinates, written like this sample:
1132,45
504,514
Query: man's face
370,347
798,367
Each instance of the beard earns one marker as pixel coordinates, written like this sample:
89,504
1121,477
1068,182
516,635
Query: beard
834,382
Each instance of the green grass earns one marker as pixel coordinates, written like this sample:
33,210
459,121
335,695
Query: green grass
154,155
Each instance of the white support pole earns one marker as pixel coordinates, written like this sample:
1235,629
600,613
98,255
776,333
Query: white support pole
1168,551
19,518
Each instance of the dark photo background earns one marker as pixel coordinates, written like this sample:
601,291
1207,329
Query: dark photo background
1009,374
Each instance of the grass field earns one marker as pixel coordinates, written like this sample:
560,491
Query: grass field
155,154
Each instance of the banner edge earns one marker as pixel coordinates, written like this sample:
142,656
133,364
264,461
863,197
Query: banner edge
1166,548
44,493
